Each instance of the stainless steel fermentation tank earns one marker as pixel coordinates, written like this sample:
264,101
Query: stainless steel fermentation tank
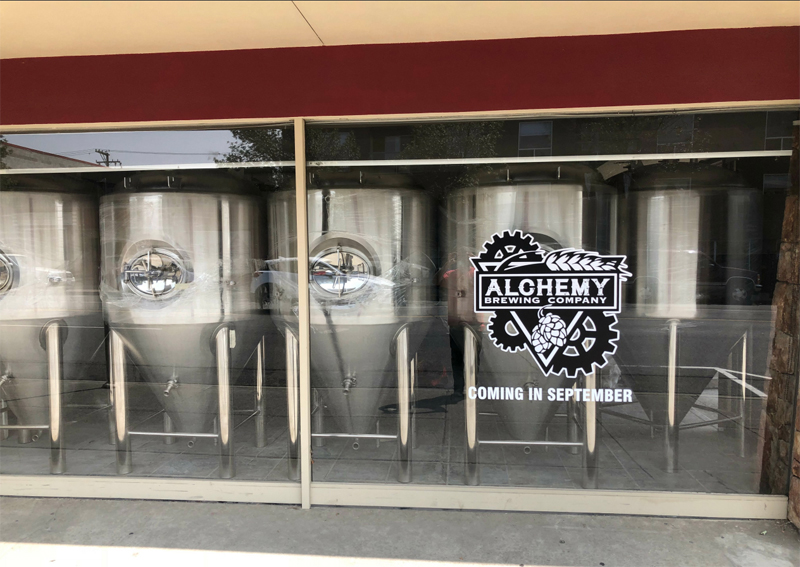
179,254
561,206
50,319
692,234
371,245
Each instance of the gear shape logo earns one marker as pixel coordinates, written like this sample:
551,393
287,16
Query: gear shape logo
560,305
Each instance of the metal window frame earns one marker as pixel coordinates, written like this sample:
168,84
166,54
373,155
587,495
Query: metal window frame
308,493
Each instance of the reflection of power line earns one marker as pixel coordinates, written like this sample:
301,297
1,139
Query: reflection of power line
168,153
106,158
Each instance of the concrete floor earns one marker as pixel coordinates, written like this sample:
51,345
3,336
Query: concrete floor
630,454
43,532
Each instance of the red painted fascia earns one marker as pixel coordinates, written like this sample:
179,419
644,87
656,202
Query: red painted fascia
680,67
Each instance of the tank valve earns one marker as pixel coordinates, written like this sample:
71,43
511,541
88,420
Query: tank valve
171,383
7,377
348,383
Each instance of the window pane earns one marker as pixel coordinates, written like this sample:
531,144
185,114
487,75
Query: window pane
144,298
586,384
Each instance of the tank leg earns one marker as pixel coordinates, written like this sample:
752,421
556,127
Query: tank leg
671,421
590,435
572,424
58,464
318,415
743,402
119,389
3,420
261,401
471,467
404,408
168,428
225,417
112,434
414,399
293,403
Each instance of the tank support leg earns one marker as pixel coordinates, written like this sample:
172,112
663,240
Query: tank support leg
590,435
225,417
414,399
3,419
261,401
168,428
293,403
471,467
404,407
671,424
318,415
117,369
743,403
112,433
572,424
53,345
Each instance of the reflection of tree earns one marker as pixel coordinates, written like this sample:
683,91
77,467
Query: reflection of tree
258,144
643,134
452,140
331,144
3,151
277,144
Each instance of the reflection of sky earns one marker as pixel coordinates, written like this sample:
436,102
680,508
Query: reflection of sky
132,148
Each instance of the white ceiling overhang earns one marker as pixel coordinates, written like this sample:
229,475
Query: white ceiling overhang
50,29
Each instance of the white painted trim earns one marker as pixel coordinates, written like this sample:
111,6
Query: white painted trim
160,167
553,159
517,499
255,122
408,162
303,309
150,488
527,499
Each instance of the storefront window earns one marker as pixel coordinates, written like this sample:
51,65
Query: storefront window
136,337
560,302
596,322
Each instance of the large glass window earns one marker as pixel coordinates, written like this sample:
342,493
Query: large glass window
135,328
599,320
559,302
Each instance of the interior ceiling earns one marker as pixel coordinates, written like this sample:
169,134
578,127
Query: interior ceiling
48,29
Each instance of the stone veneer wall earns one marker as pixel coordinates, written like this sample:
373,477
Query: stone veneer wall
782,419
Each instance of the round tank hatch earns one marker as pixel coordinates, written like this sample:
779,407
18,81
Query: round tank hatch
155,274
6,273
340,271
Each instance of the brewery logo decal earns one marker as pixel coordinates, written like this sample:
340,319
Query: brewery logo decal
559,305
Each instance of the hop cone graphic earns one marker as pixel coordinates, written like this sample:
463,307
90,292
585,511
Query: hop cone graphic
550,331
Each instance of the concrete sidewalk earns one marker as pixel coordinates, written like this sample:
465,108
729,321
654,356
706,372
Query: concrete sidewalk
117,532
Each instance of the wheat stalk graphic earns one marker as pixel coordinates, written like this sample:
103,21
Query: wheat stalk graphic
570,260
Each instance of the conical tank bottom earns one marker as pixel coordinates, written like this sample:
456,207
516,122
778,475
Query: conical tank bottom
643,353
180,356
526,420
354,368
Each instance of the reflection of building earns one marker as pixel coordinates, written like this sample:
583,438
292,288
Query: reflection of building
19,157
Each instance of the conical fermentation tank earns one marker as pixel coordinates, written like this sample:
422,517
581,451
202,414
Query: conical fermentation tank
692,234
179,254
371,250
557,206
51,326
